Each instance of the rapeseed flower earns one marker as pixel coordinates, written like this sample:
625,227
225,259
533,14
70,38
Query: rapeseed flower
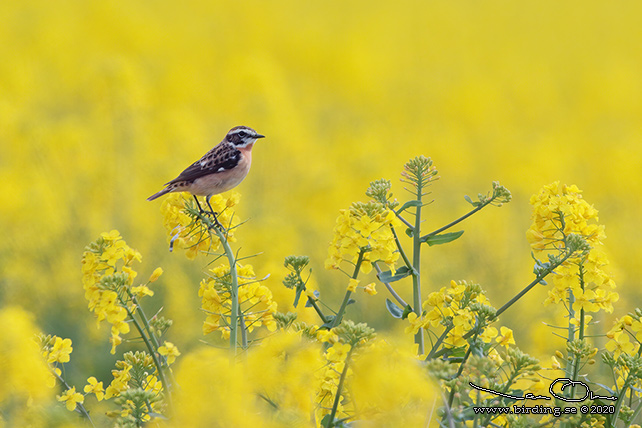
71,398
255,299
186,231
364,230
560,211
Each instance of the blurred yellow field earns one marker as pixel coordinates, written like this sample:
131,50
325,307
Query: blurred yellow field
103,102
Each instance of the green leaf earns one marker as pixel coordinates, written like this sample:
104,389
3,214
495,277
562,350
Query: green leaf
443,238
413,203
388,277
394,309
406,311
409,232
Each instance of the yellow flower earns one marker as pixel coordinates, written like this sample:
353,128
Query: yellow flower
506,337
183,233
256,300
416,323
156,274
70,397
584,300
352,285
170,351
338,352
142,291
60,351
113,235
621,344
363,229
153,384
370,289
558,211
120,381
95,387
488,334
325,335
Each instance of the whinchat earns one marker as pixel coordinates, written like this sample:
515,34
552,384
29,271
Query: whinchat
219,170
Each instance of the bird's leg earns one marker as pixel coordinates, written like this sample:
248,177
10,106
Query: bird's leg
198,205
207,199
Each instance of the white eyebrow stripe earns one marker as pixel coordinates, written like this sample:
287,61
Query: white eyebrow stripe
239,130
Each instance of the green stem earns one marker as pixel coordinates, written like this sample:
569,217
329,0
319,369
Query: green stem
236,317
576,358
337,397
392,291
438,343
154,353
143,317
400,248
460,219
531,285
337,319
416,267
148,328
570,369
318,310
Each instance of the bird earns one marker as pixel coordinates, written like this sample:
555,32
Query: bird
219,170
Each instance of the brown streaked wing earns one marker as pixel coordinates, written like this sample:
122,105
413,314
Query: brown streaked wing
219,159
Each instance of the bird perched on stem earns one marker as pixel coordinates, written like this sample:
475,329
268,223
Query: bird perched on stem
219,170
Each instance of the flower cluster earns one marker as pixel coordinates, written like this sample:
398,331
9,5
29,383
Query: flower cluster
456,308
559,212
121,377
56,351
348,340
624,347
135,387
255,299
108,278
363,230
327,380
185,228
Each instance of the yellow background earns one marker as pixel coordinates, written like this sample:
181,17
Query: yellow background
102,102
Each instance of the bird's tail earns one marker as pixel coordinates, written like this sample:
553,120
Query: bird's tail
159,194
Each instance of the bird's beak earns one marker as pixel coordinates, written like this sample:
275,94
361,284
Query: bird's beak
257,136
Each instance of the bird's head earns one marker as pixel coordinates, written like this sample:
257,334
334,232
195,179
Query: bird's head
242,136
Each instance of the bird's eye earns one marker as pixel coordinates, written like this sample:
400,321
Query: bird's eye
242,134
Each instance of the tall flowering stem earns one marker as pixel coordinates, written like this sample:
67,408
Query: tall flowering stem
419,173
236,318
108,280
562,218
228,289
